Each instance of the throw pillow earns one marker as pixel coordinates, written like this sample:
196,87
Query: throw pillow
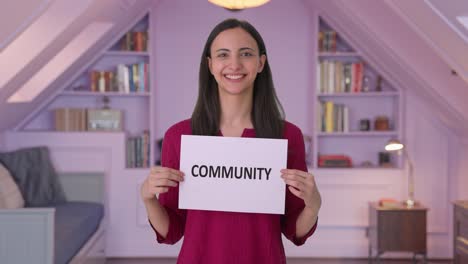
10,195
32,170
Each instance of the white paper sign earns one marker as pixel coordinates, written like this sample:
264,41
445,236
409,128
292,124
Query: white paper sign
233,174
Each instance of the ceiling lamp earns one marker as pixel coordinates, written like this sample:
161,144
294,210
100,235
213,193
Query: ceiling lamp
238,4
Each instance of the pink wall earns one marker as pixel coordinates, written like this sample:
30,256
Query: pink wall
181,31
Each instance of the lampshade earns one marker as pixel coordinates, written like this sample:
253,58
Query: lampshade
238,4
394,145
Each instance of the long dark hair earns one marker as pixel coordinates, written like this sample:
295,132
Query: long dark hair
267,113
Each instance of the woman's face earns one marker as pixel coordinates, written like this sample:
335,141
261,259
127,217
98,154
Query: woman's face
235,61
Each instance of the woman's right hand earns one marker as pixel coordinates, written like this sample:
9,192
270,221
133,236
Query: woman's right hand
159,181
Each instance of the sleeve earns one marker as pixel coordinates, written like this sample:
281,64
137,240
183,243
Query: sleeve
170,157
294,204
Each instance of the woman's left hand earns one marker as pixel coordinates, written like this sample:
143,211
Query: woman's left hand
302,184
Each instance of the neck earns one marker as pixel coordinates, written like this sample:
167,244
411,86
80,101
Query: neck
236,111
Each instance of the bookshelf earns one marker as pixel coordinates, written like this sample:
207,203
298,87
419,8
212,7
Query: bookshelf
356,110
118,82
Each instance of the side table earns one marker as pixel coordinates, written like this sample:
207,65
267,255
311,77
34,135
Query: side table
460,232
397,228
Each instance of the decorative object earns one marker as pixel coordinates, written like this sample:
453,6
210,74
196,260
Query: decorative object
384,159
365,84
378,88
367,164
364,124
381,123
308,149
396,145
104,120
235,5
334,161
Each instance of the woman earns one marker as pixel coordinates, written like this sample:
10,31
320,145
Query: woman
236,99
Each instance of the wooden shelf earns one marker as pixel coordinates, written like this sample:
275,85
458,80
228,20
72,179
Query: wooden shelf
339,54
358,134
359,94
88,93
340,67
126,53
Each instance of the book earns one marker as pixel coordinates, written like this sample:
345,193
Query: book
389,203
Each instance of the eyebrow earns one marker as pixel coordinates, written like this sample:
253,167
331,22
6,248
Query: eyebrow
241,49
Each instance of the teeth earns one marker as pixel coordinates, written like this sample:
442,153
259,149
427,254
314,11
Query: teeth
234,77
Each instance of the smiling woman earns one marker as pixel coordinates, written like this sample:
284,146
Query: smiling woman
236,99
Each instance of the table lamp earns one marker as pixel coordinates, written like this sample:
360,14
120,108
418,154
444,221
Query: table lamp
394,145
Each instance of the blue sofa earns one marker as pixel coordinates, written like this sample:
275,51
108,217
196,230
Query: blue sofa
64,224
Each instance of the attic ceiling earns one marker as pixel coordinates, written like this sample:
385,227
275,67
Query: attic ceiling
20,19
431,24
436,21
20,61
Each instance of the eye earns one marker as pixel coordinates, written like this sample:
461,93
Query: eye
246,54
222,55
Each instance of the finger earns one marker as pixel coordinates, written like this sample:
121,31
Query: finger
296,172
293,177
167,174
160,169
164,183
296,184
158,190
296,192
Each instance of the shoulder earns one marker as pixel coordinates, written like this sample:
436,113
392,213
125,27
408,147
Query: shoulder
291,131
180,128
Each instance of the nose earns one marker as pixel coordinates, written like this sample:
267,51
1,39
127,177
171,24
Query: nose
235,63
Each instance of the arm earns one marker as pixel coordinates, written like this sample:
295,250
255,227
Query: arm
303,199
166,219
157,214
302,185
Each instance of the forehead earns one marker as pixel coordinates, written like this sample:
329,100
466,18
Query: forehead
233,39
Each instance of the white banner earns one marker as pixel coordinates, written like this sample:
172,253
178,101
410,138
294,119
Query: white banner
233,174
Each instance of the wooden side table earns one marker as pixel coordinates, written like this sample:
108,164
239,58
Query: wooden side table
397,228
460,232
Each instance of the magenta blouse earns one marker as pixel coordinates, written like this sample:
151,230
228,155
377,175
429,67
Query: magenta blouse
213,237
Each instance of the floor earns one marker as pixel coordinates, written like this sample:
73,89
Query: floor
290,261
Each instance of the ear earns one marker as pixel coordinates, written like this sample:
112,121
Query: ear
262,63
209,65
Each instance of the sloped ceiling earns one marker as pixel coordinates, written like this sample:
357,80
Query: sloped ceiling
430,19
394,46
408,41
120,13
18,18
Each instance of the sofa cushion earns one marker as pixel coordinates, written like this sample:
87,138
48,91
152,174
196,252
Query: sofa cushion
10,195
75,223
35,175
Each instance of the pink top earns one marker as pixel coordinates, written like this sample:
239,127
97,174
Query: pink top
213,237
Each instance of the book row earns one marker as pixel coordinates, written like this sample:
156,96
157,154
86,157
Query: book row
341,77
327,41
126,78
137,151
134,41
333,117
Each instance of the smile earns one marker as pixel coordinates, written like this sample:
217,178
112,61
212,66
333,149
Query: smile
234,76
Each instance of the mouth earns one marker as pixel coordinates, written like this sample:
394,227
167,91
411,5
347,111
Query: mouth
234,77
